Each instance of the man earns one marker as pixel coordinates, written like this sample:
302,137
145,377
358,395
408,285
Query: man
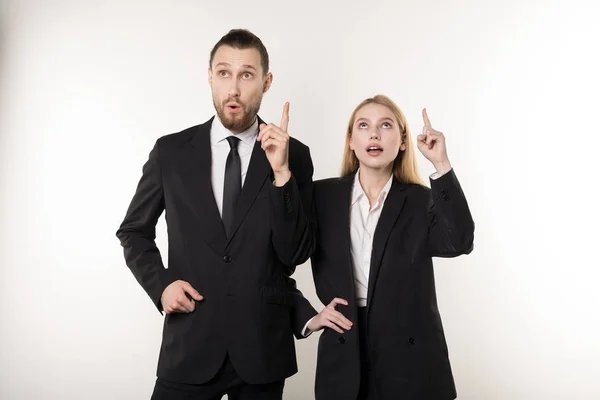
237,194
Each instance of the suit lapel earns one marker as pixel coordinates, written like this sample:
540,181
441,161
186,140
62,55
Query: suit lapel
389,215
345,191
201,190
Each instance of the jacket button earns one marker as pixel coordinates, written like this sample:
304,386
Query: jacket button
342,339
227,258
411,341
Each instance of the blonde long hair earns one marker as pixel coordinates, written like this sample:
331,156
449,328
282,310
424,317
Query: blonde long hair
405,166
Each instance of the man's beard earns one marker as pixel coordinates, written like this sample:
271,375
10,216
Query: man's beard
241,121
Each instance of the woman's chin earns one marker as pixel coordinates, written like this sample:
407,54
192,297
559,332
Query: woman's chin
376,165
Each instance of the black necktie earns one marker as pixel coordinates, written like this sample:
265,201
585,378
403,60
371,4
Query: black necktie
233,183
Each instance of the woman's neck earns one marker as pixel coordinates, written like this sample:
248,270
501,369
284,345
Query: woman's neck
372,181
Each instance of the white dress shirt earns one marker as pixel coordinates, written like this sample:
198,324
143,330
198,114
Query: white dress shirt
363,221
219,148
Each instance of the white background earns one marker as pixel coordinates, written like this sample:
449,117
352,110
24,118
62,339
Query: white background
87,86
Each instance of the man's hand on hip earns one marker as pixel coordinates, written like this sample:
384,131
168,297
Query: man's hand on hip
180,297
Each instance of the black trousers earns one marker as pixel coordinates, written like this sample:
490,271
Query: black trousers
368,386
226,382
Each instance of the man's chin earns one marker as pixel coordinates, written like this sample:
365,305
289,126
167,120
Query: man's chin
236,123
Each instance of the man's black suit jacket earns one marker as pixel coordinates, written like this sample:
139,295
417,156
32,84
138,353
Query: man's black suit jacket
251,308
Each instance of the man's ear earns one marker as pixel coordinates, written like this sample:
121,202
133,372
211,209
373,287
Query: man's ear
268,82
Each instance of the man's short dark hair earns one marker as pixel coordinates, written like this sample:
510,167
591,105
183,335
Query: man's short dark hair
243,39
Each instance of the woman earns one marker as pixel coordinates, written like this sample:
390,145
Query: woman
379,228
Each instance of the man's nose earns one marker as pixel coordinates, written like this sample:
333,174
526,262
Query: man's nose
234,88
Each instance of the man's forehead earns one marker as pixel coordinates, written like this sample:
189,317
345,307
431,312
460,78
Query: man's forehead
233,57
